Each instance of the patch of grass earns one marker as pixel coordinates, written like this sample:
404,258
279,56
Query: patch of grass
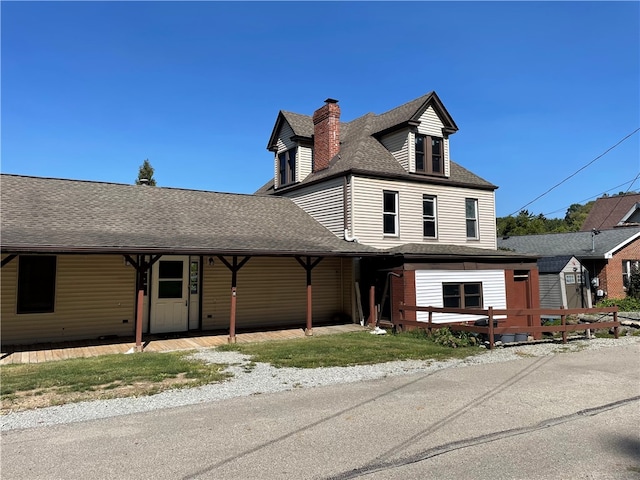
346,349
106,376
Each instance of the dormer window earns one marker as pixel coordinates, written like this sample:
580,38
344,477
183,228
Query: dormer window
429,155
287,166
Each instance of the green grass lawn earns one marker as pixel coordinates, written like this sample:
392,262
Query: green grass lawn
349,349
107,376
27,386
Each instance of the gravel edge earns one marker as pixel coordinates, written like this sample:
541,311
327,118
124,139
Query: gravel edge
259,378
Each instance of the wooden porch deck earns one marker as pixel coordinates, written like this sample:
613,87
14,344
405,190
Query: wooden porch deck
46,352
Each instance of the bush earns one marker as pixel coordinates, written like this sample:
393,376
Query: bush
447,338
628,304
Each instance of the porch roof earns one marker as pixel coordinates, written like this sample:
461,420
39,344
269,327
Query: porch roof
59,215
442,251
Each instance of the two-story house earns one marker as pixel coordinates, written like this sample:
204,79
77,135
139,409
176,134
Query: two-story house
388,181
359,217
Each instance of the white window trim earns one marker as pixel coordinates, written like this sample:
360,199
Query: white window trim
396,226
435,215
475,218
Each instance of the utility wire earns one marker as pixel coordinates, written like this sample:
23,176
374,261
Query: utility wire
592,197
617,203
575,173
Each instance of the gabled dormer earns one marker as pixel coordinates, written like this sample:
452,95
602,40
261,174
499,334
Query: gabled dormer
417,135
292,144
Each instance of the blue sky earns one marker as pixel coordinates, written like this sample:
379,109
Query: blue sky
538,89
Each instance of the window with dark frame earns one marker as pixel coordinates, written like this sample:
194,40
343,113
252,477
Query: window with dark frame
429,154
390,213
429,220
287,166
462,295
471,217
36,284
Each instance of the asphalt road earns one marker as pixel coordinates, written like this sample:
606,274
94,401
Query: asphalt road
567,416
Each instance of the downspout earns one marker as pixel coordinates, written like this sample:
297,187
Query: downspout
345,213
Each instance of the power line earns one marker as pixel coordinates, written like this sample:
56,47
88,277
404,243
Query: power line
593,196
575,173
617,203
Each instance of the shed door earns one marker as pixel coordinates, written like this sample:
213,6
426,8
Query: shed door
170,290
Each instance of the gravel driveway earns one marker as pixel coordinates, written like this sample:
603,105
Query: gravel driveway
258,378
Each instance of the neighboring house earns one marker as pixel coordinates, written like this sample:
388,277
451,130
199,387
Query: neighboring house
375,202
612,212
564,282
608,255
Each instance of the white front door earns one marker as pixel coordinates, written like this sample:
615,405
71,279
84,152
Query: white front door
170,295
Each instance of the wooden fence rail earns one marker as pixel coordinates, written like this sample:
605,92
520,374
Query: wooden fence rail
493,324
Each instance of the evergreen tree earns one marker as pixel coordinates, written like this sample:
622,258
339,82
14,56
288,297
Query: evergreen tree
146,172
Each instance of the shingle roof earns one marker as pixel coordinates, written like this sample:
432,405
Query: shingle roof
607,212
361,153
578,244
428,250
553,264
45,214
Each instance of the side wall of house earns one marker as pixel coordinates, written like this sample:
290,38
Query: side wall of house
613,271
430,124
398,144
324,202
450,203
272,291
94,295
303,156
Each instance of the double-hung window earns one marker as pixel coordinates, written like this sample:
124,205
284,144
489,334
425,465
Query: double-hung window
429,153
429,218
629,267
471,217
36,284
462,295
287,166
390,212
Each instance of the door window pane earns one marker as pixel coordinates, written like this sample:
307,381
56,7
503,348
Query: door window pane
170,289
170,269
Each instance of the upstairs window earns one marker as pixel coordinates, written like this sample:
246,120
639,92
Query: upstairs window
429,220
36,284
471,217
429,154
287,167
390,213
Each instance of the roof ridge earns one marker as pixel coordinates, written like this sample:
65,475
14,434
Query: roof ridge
102,182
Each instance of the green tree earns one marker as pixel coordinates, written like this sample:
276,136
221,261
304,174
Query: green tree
146,172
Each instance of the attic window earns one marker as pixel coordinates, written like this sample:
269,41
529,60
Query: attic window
429,155
287,167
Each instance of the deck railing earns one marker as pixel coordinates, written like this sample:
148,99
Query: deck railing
493,324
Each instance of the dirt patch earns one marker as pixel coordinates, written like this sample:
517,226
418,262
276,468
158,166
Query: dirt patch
53,396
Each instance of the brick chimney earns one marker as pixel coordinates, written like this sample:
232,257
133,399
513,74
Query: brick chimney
326,134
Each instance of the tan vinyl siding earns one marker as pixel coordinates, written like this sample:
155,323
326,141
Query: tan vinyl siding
430,124
367,213
94,294
273,291
304,163
283,143
304,155
324,202
398,144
